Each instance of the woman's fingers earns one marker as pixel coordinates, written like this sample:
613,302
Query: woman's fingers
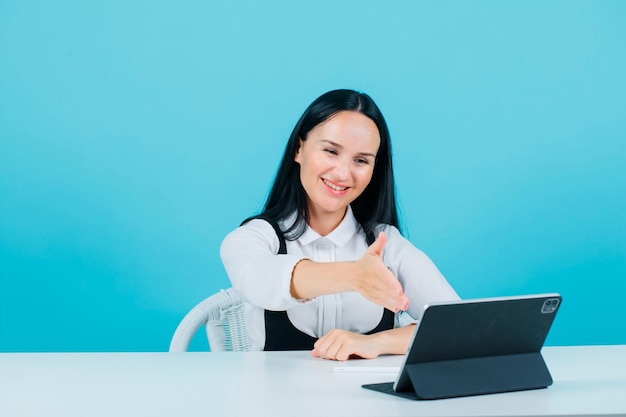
377,247
387,292
327,346
376,282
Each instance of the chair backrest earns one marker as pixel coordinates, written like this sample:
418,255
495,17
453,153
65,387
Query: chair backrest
222,315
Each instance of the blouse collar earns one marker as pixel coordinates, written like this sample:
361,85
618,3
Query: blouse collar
339,236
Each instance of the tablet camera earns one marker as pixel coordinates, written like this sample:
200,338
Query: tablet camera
550,305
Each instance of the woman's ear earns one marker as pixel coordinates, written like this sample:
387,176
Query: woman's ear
296,157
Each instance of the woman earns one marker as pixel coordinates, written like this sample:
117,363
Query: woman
324,266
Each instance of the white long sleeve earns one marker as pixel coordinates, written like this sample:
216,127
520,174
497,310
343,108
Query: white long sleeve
257,273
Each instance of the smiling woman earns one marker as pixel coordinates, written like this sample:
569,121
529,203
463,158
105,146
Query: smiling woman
134,135
314,274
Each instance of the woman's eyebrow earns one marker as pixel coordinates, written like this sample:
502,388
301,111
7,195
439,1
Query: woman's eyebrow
336,145
330,142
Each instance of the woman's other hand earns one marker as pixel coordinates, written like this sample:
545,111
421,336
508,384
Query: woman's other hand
341,345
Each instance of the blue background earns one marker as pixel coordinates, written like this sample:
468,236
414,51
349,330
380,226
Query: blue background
135,135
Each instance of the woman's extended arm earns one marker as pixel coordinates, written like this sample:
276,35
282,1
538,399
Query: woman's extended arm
369,276
278,282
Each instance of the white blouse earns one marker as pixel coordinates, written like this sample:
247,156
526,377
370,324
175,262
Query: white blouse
263,279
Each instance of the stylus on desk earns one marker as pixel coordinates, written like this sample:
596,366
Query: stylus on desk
367,369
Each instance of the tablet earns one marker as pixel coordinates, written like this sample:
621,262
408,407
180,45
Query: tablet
474,347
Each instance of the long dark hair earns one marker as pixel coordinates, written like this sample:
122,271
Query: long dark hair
377,203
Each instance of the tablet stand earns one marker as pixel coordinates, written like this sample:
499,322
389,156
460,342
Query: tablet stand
481,375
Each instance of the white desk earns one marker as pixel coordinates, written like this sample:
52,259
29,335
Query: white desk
588,381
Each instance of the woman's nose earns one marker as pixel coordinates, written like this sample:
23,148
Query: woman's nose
342,168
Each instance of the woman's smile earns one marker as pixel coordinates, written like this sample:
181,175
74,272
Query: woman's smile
334,187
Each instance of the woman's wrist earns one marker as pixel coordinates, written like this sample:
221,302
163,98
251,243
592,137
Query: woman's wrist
380,341
394,341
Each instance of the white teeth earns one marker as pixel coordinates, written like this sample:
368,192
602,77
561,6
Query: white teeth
334,187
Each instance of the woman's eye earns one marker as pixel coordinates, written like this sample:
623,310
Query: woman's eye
362,161
331,151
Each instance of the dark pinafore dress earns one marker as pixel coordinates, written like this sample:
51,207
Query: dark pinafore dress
281,334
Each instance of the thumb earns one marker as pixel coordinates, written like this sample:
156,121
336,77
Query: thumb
377,247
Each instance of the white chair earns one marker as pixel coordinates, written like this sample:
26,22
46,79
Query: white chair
222,315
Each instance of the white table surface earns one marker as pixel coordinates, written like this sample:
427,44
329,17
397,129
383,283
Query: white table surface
588,381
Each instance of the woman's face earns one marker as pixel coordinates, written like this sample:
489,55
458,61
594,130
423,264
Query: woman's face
336,165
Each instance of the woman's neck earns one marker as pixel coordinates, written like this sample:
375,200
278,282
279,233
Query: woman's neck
324,223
